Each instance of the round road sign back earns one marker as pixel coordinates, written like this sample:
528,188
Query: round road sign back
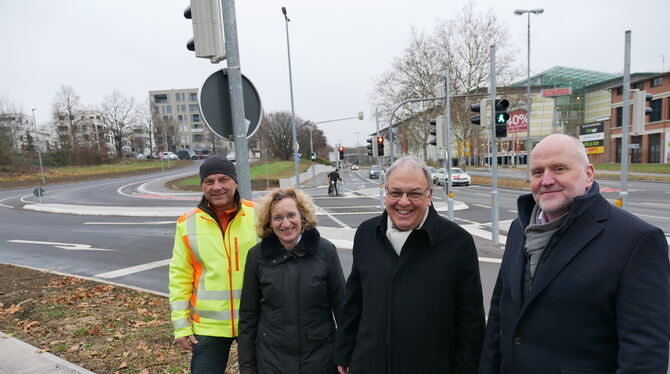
214,101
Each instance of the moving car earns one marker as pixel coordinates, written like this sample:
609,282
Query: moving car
440,173
354,167
433,173
375,171
458,178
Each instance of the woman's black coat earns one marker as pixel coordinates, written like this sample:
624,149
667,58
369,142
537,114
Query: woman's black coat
287,307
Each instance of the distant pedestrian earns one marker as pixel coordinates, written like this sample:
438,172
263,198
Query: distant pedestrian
207,267
293,286
413,301
583,286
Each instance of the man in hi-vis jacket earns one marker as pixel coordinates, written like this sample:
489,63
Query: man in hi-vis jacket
207,268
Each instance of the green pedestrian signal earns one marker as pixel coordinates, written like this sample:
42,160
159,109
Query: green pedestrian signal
502,118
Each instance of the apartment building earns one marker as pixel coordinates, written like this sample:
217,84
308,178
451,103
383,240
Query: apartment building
179,124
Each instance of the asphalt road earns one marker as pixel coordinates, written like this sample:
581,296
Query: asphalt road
135,251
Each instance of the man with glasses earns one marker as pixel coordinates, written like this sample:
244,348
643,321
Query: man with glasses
413,301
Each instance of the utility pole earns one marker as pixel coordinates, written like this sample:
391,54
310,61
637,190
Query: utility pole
494,150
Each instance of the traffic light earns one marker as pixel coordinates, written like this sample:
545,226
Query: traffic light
501,118
483,114
372,147
341,150
640,110
380,146
439,124
207,41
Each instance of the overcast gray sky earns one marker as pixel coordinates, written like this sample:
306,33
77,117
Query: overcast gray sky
338,48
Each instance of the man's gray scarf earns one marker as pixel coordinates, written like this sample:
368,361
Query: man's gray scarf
537,238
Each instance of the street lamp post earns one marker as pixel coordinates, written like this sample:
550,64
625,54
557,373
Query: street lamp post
37,145
311,147
293,130
520,12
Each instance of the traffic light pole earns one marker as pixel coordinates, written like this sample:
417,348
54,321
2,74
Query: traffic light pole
236,99
623,195
447,142
382,177
494,150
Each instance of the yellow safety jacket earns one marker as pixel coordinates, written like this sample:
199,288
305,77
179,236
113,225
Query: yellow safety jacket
207,270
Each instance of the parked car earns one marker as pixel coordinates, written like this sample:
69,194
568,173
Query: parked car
354,167
375,171
458,178
186,154
169,156
140,156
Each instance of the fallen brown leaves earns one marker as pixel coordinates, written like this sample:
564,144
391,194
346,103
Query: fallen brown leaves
101,327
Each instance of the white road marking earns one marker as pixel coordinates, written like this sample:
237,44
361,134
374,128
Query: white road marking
512,211
131,223
482,206
133,269
646,215
475,230
490,260
68,246
321,211
656,204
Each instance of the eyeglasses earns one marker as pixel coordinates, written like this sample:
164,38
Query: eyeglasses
280,219
412,195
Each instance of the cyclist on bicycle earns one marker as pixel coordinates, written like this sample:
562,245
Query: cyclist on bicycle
333,177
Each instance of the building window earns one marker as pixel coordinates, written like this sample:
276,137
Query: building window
156,109
619,91
619,116
195,117
639,86
617,157
197,126
183,140
656,107
180,118
192,107
181,108
654,148
657,82
193,97
197,137
160,99
636,153
179,96
167,109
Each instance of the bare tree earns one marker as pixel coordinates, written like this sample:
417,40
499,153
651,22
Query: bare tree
11,118
145,118
319,141
65,110
459,45
116,112
277,135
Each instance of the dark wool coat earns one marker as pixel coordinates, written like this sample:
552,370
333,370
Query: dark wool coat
287,307
420,312
600,301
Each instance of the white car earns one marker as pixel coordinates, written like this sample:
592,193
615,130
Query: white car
169,156
433,173
458,178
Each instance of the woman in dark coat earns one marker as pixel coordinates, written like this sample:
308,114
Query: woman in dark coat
293,288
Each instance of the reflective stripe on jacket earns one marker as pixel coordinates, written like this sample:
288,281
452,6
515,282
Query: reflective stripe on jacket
207,270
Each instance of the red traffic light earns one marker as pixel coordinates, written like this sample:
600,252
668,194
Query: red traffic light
340,148
380,139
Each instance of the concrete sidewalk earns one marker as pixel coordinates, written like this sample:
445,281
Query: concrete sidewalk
17,357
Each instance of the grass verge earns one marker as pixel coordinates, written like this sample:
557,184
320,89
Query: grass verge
30,176
100,327
259,171
642,168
